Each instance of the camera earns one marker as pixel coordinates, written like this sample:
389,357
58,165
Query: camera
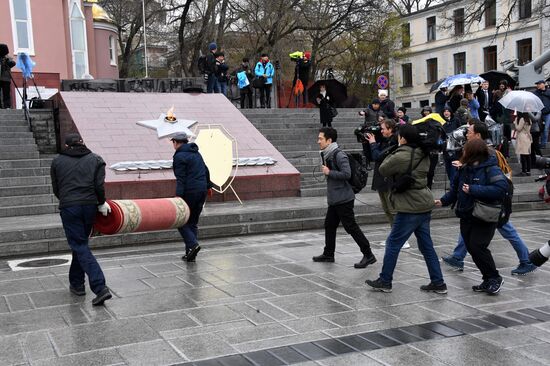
542,162
457,138
360,133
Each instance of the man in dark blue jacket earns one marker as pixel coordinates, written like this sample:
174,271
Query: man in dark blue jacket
544,96
192,184
78,177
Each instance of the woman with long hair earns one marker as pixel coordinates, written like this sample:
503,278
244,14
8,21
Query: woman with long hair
478,182
522,124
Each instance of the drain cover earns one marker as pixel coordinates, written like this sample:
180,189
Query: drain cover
43,263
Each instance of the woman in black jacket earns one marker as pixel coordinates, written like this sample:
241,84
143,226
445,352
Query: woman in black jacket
324,101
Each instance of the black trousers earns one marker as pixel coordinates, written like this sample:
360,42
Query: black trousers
434,158
5,90
367,152
343,213
535,146
525,163
265,96
477,236
246,93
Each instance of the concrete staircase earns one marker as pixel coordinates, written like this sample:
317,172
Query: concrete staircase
24,174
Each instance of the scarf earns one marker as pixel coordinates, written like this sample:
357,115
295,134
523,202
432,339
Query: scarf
329,150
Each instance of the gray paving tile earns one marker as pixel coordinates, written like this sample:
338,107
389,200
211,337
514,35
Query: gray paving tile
94,358
309,324
37,345
501,321
334,346
244,275
441,329
358,343
156,353
53,298
400,335
288,354
255,316
405,356
20,286
51,283
380,339
11,352
349,359
214,314
169,320
264,358
205,294
95,336
478,322
203,346
266,308
538,353
241,289
259,332
205,329
19,302
311,351
294,268
289,286
165,282
235,360
352,318
32,320
317,305
155,301
543,317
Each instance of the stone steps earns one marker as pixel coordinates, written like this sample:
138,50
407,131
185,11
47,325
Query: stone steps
25,190
30,209
16,155
24,172
24,181
25,163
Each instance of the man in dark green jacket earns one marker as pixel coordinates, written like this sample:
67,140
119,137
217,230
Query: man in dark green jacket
413,203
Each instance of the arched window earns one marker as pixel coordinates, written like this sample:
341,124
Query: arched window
112,50
78,40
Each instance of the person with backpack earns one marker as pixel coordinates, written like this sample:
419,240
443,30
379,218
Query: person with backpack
479,130
412,202
244,79
340,197
264,70
212,85
477,191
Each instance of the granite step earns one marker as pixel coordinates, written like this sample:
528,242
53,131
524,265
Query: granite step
14,147
27,200
24,172
25,190
25,163
16,155
24,181
13,122
31,209
15,135
5,129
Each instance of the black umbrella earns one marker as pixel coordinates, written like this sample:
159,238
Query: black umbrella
435,86
494,77
336,89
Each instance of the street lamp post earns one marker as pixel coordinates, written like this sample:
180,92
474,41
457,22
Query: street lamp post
144,40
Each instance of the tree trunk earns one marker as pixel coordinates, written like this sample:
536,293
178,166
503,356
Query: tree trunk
221,25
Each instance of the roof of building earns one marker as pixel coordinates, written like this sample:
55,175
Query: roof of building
436,6
99,14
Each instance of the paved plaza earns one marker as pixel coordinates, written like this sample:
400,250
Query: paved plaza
260,300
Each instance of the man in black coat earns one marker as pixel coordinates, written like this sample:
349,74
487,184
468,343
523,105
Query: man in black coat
485,100
78,177
440,100
544,96
387,106
6,63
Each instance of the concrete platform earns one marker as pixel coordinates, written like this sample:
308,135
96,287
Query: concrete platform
260,300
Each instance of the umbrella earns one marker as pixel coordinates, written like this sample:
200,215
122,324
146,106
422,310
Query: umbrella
494,77
461,79
336,89
435,86
521,101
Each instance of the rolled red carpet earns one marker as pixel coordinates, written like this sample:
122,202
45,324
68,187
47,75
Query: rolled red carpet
130,216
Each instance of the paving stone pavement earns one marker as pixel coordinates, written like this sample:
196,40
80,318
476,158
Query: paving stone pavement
260,300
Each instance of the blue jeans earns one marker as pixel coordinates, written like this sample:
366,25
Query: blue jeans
77,223
223,87
508,232
212,86
544,138
189,231
404,225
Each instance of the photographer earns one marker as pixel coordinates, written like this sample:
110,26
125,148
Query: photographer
221,72
6,63
372,115
413,203
303,65
380,150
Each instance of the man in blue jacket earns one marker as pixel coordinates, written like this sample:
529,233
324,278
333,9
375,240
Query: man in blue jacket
192,184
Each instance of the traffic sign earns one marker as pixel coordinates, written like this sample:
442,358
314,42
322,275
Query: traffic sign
382,82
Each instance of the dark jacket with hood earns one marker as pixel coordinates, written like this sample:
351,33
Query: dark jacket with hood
6,63
387,106
78,177
487,184
544,96
191,173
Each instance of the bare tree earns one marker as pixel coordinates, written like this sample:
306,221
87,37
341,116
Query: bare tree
404,7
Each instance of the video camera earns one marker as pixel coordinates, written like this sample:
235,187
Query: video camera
457,138
360,132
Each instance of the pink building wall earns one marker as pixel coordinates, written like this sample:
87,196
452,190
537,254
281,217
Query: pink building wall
51,36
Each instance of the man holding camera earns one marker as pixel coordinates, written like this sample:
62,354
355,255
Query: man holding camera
413,203
372,114
6,63
340,198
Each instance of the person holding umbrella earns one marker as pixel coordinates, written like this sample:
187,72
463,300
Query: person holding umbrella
326,106
523,142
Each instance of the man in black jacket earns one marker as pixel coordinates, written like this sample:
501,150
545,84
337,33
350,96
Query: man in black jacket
6,63
212,85
544,96
485,99
78,178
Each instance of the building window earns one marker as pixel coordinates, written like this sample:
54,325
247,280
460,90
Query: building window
458,16
112,50
78,41
430,27
490,13
407,105
524,9
424,103
431,65
407,74
460,62
490,58
406,35
22,26
525,51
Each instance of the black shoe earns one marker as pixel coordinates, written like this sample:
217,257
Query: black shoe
438,289
323,258
81,291
365,261
103,295
482,287
379,285
494,285
192,254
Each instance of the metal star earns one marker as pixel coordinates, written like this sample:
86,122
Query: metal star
168,129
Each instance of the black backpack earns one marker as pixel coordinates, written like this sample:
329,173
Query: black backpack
359,174
432,136
201,64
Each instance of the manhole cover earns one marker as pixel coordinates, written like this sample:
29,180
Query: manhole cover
43,263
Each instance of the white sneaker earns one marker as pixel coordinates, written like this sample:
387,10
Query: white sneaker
407,245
